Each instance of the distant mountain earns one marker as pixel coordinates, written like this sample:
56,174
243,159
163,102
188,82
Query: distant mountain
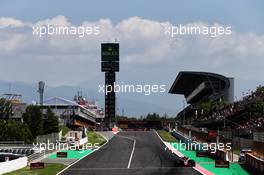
131,104
28,91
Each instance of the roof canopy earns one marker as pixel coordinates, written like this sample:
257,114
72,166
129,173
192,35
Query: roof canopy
196,85
57,101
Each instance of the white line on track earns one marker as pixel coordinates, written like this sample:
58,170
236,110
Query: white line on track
134,168
131,155
133,149
68,167
174,150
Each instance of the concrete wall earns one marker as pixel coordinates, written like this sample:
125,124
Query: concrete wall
78,134
53,137
229,93
83,141
226,134
185,139
258,136
13,165
181,137
242,143
224,155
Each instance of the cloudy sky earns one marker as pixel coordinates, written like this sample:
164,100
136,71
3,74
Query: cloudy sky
146,53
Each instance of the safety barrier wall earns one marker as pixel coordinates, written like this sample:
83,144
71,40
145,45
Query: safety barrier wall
240,143
181,137
13,165
258,136
83,141
184,139
198,135
222,155
254,162
52,138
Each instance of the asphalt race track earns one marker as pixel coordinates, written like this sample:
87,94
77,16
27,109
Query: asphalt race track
131,152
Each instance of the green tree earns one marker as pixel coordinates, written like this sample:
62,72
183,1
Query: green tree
5,108
207,107
51,122
257,109
260,89
3,128
153,117
25,133
33,117
12,130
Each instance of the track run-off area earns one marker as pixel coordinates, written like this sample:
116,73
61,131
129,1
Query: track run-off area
130,152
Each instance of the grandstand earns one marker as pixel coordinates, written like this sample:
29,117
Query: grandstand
15,104
74,113
198,87
211,109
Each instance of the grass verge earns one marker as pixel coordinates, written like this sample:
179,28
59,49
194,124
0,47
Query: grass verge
166,136
50,169
209,163
65,130
236,151
94,137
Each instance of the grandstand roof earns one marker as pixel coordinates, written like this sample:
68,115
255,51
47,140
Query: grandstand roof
196,86
64,103
57,101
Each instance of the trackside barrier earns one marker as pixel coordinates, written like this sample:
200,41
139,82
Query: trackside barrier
254,162
37,155
181,137
219,153
185,139
13,165
197,167
83,141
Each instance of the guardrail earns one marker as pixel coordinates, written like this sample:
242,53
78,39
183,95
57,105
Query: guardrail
12,142
16,146
35,156
187,140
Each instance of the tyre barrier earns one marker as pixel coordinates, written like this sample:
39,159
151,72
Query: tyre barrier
20,151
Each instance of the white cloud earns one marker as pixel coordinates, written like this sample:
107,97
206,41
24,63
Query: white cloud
6,22
142,42
58,20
